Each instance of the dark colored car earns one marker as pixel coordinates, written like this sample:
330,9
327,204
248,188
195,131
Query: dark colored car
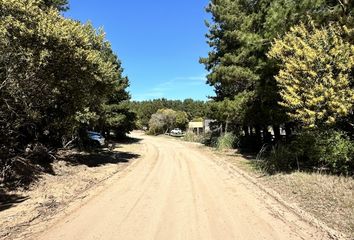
96,138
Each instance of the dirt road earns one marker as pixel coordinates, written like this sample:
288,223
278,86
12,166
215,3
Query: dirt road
177,191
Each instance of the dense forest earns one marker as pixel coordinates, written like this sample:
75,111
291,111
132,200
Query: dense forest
58,78
285,64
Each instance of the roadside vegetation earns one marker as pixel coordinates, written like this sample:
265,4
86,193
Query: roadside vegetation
283,78
58,79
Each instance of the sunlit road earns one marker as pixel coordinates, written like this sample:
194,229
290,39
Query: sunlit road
176,191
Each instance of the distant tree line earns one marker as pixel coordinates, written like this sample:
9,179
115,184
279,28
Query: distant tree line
144,110
285,63
58,77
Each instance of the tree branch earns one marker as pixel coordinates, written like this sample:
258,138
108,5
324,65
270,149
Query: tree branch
342,5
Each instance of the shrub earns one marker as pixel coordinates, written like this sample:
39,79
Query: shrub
226,141
328,150
281,157
192,137
211,138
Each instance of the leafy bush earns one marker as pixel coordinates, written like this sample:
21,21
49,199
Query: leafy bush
326,149
281,157
211,138
329,150
226,141
67,78
192,137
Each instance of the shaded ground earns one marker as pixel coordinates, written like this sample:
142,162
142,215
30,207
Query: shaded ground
9,200
73,176
100,158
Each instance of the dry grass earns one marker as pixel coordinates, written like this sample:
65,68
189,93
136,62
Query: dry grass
328,198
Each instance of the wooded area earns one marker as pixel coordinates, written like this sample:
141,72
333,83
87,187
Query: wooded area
285,63
58,78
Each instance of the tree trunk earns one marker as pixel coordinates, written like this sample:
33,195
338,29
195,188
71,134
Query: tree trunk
226,126
258,135
288,131
276,129
246,130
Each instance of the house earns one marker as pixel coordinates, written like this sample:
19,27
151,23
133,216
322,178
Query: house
196,127
200,127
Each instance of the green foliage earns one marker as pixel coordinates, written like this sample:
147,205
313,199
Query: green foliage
239,69
226,141
164,120
231,111
330,149
281,157
86,117
316,74
310,74
61,5
192,137
145,109
327,150
56,76
117,118
181,120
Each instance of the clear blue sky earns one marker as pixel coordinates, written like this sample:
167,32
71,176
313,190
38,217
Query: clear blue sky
159,43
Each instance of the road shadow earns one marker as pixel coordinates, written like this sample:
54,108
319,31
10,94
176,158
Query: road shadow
10,200
114,143
100,158
124,140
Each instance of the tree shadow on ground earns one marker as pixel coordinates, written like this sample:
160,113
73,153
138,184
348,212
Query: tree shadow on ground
9,200
100,158
21,172
125,140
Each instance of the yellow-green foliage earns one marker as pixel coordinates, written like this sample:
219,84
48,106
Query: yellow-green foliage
55,73
315,74
54,57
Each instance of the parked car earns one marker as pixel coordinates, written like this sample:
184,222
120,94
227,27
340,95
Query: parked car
176,131
95,138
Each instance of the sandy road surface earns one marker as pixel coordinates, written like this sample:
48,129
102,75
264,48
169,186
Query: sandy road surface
176,191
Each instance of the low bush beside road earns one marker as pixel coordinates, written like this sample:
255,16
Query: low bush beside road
329,151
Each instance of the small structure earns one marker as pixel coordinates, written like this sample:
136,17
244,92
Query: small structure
200,127
196,127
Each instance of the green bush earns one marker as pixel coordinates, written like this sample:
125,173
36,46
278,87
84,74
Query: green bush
281,157
211,138
329,150
226,141
192,137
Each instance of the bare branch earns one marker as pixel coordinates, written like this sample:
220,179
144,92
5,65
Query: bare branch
342,5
